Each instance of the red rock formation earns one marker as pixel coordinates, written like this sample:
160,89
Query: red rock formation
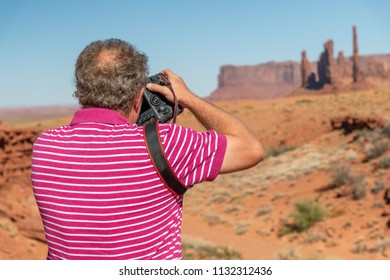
327,70
351,123
15,152
280,79
376,68
357,74
305,70
344,66
21,228
262,81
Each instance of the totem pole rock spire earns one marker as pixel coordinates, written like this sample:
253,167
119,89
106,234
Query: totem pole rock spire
327,68
357,75
305,70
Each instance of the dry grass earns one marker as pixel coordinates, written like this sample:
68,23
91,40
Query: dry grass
288,254
198,249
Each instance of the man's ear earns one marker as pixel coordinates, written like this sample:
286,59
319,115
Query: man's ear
138,101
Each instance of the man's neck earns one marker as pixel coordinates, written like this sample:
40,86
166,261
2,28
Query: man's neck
132,117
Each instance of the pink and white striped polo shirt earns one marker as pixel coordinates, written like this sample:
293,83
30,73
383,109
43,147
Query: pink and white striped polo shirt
99,195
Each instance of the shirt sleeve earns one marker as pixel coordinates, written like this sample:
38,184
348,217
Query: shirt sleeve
194,156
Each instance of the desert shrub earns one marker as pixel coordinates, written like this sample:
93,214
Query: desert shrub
336,211
232,209
386,130
277,151
304,101
306,214
359,247
264,210
384,163
377,149
371,135
359,187
379,186
277,196
264,186
242,227
214,219
286,229
197,249
340,175
313,237
288,254
219,196
363,135
382,245
378,204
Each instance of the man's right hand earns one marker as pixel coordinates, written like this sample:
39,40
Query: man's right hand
182,92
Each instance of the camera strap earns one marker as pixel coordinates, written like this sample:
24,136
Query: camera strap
175,101
159,160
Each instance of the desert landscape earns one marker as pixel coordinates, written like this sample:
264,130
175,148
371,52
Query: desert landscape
322,191
312,162
329,153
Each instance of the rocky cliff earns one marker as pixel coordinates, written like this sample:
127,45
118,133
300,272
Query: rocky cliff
21,229
279,79
15,152
262,81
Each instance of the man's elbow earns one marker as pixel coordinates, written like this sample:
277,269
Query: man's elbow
241,155
257,153
254,153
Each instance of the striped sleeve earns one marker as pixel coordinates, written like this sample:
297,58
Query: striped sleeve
194,156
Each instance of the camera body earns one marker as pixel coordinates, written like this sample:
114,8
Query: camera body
154,105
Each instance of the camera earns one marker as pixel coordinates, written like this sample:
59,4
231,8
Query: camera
154,105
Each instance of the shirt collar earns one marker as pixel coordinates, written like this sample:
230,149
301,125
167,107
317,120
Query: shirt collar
98,115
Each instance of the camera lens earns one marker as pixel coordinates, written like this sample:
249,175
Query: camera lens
155,100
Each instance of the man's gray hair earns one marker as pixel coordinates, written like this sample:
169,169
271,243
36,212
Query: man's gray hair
109,74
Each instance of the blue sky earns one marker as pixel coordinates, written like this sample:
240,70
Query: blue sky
40,40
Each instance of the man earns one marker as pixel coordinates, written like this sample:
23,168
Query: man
97,190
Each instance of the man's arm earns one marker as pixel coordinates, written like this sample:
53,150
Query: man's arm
243,149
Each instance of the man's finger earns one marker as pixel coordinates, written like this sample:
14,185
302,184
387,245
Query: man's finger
155,87
158,88
168,72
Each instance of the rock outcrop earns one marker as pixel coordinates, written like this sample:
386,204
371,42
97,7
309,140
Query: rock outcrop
345,73
350,123
262,81
344,66
327,71
275,80
306,71
15,152
21,228
376,68
357,75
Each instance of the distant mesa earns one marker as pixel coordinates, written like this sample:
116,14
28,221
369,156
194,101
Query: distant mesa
280,79
262,81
